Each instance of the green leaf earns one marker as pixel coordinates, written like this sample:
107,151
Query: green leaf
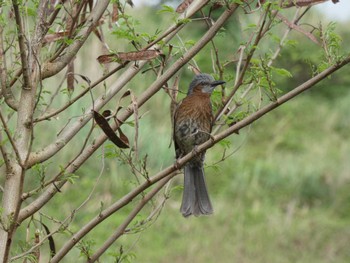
225,143
282,72
183,21
166,9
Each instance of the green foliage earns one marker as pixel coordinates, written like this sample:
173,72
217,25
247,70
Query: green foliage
122,256
166,9
85,247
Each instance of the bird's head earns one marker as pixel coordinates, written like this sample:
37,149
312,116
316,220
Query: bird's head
205,83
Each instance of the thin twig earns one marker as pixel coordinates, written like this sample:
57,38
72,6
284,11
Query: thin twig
238,83
120,230
65,223
11,140
22,45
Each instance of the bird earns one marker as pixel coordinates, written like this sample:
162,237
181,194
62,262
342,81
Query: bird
193,121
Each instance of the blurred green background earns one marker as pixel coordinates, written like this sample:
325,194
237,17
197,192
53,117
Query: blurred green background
283,195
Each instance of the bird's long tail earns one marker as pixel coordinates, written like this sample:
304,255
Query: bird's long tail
195,200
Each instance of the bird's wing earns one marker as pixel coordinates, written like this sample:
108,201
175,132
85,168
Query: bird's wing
174,115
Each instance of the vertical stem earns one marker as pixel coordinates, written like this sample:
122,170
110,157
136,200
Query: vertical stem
15,172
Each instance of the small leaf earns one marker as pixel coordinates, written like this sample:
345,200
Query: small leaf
282,72
54,37
166,9
115,13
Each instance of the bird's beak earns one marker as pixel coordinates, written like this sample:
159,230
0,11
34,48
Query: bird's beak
217,82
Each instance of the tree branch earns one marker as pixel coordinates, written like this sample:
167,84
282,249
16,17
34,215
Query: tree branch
11,140
52,68
167,172
5,89
155,87
22,45
71,131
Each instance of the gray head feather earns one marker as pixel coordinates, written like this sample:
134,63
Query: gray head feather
202,79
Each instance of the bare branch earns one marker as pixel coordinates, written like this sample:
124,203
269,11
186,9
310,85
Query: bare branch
70,132
52,68
5,90
9,136
264,25
49,193
22,45
294,26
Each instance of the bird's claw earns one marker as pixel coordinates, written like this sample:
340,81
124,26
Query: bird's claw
177,164
195,150
212,138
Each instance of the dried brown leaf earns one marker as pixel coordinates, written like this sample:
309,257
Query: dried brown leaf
115,13
217,5
70,77
138,55
130,3
183,6
98,34
128,56
123,137
136,118
54,37
125,94
51,240
301,3
85,78
102,122
106,113
119,108
104,59
194,69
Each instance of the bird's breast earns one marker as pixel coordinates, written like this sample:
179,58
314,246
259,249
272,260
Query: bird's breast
193,122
